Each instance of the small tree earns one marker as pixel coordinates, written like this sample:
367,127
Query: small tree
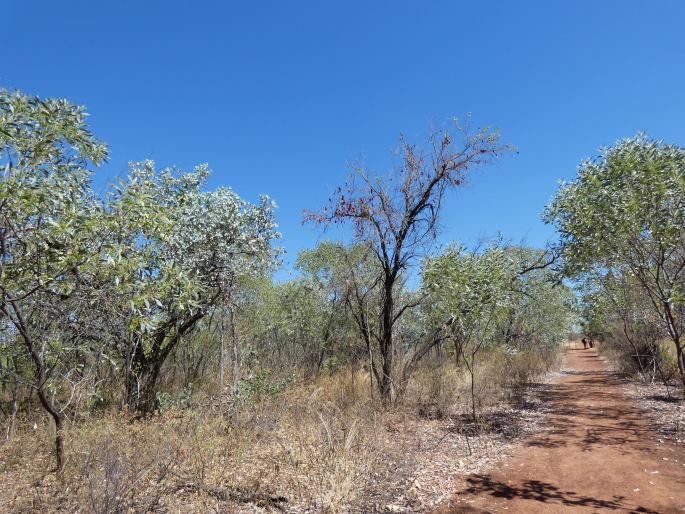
47,221
175,252
625,214
396,217
345,275
618,310
474,289
542,310
499,295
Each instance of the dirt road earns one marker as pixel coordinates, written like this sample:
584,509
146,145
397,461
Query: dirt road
597,454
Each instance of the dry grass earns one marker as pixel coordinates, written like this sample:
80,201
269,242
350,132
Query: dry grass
325,446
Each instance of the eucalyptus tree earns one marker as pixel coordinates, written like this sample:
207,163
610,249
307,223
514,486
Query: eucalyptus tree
500,295
616,309
473,288
624,214
305,320
48,218
175,252
397,216
542,310
346,276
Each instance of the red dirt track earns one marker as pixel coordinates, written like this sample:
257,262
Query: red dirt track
598,453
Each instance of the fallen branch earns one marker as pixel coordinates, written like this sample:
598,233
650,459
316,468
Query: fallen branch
259,499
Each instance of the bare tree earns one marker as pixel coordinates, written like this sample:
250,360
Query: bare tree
397,217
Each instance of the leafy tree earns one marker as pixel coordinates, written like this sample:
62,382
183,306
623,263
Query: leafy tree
542,310
175,252
305,318
499,295
624,214
473,289
346,277
617,310
396,218
48,218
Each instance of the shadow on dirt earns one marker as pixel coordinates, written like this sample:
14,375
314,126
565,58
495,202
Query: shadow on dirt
543,492
584,415
509,424
589,412
665,399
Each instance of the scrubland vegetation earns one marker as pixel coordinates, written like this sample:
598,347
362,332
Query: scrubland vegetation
149,359
622,226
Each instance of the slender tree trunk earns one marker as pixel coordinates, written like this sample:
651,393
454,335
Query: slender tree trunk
352,376
320,361
222,354
40,376
634,346
386,377
681,363
458,350
472,371
50,407
57,418
235,356
371,370
675,337
386,389
136,364
12,427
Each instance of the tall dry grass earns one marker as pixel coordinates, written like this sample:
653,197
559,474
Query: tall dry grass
325,445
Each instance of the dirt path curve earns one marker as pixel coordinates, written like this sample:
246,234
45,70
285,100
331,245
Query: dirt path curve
597,454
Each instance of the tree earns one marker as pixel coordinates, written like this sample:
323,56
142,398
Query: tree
542,309
616,309
345,276
47,220
624,214
499,295
175,252
396,217
473,289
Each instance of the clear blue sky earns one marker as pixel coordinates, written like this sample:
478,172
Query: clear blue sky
278,96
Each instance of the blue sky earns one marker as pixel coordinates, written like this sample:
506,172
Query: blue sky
278,97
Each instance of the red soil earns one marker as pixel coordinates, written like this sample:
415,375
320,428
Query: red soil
598,453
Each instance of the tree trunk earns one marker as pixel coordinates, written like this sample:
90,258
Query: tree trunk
473,389
675,337
39,365
386,346
235,358
50,407
372,369
145,368
638,357
146,402
681,363
12,428
142,382
222,354
472,371
57,418
458,350
136,364
320,361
